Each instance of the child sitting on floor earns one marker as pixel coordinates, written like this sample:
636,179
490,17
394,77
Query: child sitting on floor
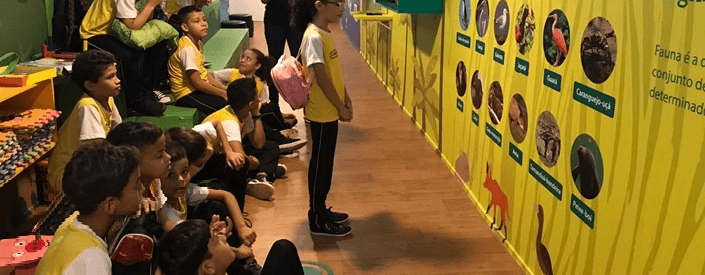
194,248
101,181
242,119
93,115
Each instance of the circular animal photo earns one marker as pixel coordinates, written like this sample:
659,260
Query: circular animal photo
495,102
476,89
482,15
501,22
518,118
556,38
598,50
524,30
461,78
586,165
464,14
548,139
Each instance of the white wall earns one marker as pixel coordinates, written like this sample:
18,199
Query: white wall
253,7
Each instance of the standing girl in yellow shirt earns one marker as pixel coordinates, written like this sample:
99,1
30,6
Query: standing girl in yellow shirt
328,103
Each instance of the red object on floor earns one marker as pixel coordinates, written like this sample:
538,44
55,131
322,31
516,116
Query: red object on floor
47,53
22,254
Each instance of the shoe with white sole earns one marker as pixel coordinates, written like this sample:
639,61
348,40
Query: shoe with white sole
161,97
292,144
260,189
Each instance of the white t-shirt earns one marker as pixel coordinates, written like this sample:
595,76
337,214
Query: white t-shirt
91,261
231,127
312,47
125,9
224,77
187,55
194,195
91,126
161,198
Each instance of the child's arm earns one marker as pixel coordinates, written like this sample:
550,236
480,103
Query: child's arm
246,234
215,82
142,17
167,224
235,159
348,103
319,71
257,136
204,86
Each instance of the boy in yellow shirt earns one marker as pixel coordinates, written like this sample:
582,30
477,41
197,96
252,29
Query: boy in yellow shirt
101,181
93,115
192,85
141,70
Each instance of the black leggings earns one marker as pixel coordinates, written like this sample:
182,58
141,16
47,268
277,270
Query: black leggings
324,137
226,178
268,156
204,102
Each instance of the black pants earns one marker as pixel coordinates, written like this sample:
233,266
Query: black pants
277,35
268,156
320,170
226,178
141,70
204,102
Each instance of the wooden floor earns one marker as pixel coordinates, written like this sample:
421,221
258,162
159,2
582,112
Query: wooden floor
408,213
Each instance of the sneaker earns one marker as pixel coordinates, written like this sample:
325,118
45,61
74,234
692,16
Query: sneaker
330,229
161,97
291,144
289,155
280,171
290,133
260,189
334,216
148,107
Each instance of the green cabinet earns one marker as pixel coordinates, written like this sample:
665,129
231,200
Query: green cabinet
413,6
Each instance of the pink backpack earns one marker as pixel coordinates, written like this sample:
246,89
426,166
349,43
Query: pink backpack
291,81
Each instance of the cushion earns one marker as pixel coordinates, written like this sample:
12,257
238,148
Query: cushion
151,33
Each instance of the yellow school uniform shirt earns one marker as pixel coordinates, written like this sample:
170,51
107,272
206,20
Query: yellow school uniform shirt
235,75
75,249
226,115
319,108
186,57
69,136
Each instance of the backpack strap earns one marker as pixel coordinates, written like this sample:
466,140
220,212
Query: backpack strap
14,59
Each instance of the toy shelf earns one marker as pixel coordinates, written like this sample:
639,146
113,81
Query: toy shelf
413,6
50,145
363,16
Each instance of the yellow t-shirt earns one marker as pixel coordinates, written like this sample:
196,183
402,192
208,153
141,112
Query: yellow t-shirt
235,75
187,57
75,249
319,108
77,128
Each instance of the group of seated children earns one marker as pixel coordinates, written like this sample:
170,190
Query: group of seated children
138,211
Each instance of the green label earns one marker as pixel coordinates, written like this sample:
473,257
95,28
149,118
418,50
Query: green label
475,118
521,66
583,212
460,105
594,99
480,46
498,56
546,179
516,153
493,134
463,40
552,80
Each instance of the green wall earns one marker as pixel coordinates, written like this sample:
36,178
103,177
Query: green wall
23,27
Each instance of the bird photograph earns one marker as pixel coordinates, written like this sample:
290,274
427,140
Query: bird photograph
464,14
501,22
524,29
483,17
556,38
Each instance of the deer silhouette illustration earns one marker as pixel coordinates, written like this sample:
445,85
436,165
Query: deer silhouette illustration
499,199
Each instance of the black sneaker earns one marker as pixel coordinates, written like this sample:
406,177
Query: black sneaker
280,171
338,217
148,107
291,144
330,229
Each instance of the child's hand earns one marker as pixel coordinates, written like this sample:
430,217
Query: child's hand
147,205
247,235
345,114
243,252
255,106
235,160
221,227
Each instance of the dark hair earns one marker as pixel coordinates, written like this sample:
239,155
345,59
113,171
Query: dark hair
138,134
96,172
303,11
184,12
90,65
182,250
193,143
265,69
241,92
175,151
